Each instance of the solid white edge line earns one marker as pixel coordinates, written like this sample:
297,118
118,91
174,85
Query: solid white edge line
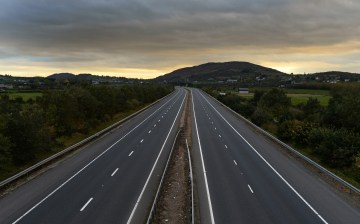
131,153
203,164
73,176
192,184
114,172
279,175
250,189
86,204
152,169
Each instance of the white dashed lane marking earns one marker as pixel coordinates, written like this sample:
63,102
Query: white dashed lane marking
114,172
86,204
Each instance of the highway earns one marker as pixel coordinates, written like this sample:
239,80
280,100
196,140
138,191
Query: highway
240,175
111,180
243,178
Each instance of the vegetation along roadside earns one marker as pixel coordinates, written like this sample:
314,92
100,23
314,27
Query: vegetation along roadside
31,130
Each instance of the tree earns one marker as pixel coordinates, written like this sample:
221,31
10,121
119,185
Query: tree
273,105
343,109
29,133
5,156
257,96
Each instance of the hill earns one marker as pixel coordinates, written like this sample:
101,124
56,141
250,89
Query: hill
220,71
61,76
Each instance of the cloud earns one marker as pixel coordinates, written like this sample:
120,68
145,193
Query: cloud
157,34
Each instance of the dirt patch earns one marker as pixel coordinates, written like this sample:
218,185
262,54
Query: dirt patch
174,205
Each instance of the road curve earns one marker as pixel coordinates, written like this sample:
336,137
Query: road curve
244,178
111,180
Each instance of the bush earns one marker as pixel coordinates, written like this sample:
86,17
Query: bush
295,130
337,148
260,116
246,109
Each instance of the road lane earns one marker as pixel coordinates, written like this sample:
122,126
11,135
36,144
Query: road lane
245,189
112,196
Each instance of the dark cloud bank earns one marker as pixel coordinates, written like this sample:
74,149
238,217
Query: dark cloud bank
158,33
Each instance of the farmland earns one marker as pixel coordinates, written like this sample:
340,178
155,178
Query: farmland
25,95
298,96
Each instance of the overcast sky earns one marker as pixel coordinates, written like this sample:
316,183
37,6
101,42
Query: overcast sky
147,38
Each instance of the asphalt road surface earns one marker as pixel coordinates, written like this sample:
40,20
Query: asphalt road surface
243,178
111,180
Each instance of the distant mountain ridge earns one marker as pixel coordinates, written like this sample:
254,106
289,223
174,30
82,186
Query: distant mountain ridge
235,71
70,76
85,77
219,71
63,75
336,73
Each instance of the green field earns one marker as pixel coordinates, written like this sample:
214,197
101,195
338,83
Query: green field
297,99
24,95
297,91
299,96
308,91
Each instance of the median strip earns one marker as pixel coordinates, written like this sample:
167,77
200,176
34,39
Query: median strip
175,201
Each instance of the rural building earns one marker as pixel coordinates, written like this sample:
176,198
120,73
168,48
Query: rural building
231,81
243,90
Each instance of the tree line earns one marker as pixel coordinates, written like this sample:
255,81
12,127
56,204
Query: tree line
28,129
331,133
